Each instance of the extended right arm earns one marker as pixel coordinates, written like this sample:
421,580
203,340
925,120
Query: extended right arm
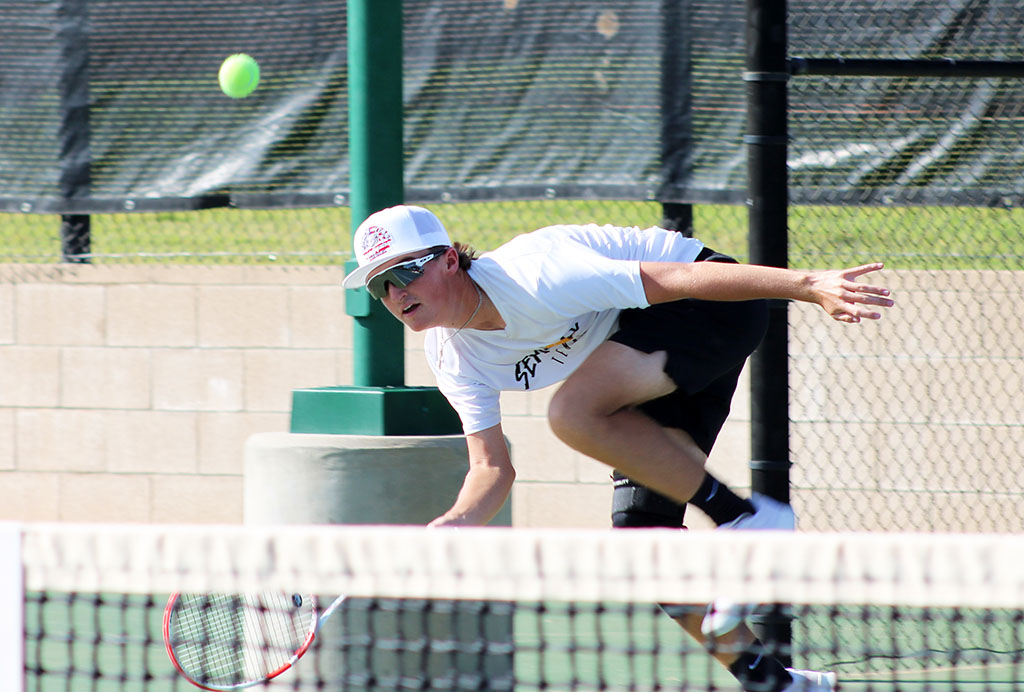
487,484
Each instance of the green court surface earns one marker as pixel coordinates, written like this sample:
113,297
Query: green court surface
99,643
617,647
915,649
113,643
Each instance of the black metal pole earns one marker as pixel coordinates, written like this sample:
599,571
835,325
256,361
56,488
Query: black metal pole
676,115
677,217
74,136
76,238
766,141
766,76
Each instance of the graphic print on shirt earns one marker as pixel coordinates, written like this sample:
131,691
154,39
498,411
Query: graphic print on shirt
557,352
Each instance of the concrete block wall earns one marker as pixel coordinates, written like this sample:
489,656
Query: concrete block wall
915,422
127,392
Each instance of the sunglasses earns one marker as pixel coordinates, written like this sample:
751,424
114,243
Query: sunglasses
400,275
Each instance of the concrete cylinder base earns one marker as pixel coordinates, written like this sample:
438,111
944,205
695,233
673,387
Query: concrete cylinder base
361,479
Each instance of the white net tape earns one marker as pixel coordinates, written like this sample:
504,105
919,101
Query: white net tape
517,564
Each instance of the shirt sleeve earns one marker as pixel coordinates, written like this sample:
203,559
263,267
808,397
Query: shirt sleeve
575,280
478,406
648,244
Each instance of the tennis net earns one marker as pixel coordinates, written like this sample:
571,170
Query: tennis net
516,609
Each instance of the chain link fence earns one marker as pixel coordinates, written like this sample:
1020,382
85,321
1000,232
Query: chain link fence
915,423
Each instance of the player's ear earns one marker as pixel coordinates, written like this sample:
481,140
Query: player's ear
451,260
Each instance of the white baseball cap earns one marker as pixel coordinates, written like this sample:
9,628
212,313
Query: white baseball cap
391,233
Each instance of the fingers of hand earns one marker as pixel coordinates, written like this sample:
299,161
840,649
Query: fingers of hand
854,308
857,313
864,269
869,299
867,288
874,295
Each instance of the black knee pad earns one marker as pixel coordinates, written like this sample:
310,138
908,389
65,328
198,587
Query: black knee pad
635,506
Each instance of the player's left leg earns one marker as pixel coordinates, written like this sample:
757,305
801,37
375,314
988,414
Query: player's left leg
594,413
693,349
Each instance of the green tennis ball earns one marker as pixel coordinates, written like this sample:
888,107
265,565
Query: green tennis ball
239,75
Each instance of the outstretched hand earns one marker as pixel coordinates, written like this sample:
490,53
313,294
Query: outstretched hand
839,294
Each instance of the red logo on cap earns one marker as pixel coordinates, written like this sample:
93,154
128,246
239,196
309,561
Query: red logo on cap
376,242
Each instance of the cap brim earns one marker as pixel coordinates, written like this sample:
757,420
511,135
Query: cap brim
357,278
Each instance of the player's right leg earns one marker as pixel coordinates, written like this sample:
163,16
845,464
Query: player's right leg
738,650
702,347
753,666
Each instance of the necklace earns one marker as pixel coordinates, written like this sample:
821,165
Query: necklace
479,302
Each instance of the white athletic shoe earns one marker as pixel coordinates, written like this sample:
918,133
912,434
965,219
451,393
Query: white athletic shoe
811,681
723,616
769,515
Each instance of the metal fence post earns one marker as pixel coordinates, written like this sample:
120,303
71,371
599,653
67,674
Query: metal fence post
375,155
766,141
677,140
74,137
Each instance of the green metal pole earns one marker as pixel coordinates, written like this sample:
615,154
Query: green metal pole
375,156
378,402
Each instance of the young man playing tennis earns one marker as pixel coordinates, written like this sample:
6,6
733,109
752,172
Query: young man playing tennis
647,330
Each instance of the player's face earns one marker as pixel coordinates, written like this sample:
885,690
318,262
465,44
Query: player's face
419,304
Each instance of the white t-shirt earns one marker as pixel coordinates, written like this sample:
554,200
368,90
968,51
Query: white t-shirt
559,290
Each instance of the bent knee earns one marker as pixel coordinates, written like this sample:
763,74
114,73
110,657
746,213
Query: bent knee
568,416
560,414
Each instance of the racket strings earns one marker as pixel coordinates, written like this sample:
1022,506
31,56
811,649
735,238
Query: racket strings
229,640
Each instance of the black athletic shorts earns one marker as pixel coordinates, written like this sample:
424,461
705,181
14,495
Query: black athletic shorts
707,343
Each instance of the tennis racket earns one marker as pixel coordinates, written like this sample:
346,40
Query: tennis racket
233,641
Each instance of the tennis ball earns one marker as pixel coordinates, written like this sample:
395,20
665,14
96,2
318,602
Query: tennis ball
239,74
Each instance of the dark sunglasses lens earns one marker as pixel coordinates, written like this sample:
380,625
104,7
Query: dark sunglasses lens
400,277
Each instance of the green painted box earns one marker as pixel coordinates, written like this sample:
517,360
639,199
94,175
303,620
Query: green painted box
346,410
